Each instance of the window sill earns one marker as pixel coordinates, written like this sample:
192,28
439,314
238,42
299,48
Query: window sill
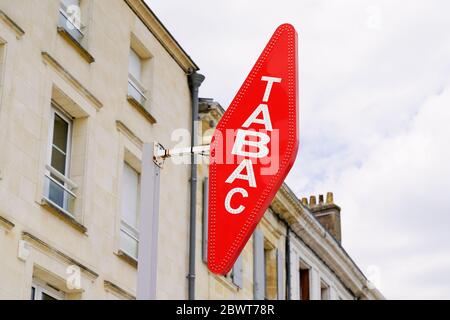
115,288
6,224
227,282
141,109
74,43
127,258
63,216
12,24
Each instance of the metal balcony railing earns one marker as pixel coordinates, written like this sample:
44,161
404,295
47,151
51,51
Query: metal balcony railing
136,90
129,239
59,191
69,24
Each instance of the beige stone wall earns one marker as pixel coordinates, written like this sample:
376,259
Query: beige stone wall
107,130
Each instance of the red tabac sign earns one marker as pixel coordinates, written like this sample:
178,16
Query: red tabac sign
253,148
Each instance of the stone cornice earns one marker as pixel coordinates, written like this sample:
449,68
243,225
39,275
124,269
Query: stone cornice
164,37
274,229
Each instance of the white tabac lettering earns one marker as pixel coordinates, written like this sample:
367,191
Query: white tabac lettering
230,195
237,174
261,144
270,82
264,109
244,139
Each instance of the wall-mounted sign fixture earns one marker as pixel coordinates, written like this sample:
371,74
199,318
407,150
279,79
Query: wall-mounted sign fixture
253,148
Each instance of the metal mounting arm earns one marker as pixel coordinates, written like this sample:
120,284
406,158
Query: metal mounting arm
161,153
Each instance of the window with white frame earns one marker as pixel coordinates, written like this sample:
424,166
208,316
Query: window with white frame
129,226
59,189
43,291
70,18
135,88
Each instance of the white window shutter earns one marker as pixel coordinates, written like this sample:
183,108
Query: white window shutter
69,3
259,285
280,282
135,65
205,220
130,196
238,274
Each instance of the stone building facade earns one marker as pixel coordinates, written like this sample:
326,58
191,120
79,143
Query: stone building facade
81,91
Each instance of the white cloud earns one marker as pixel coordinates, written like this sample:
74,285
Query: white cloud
374,116
395,204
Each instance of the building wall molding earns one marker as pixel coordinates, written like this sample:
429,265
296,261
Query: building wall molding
38,243
6,224
12,24
110,286
50,60
122,127
76,45
164,37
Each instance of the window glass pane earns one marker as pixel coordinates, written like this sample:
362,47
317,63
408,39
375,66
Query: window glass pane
60,133
68,3
58,161
56,194
304,284
128,244
130,196
135,65
47,297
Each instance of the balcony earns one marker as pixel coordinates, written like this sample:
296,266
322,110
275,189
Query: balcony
70,25
136,90
129,240
59,192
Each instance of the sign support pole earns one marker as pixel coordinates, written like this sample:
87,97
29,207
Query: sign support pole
153,156
149,222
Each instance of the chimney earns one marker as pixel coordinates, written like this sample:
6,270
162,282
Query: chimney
328,214
312,201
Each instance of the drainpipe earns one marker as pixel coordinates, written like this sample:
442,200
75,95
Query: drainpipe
195,81
288,254
288,262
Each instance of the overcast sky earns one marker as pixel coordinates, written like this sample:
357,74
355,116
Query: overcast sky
375,117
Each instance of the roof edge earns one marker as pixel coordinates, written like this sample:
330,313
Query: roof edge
165,38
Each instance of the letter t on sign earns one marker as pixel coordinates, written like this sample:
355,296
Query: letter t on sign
270,81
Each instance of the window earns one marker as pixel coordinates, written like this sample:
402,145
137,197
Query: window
70,18
129,234
43,291
324,291
304,282
135,89
59,189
